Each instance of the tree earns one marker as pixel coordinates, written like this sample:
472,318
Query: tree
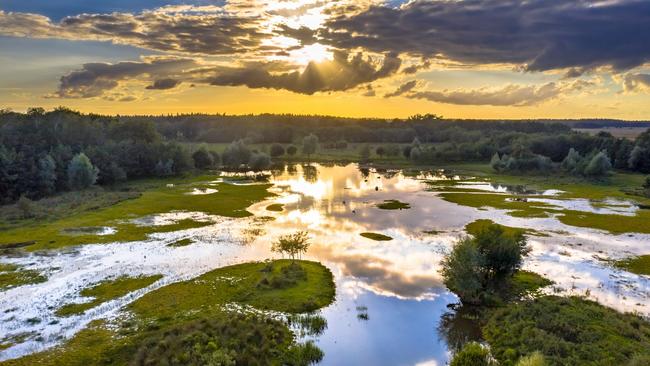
292,244
380,151
46,175
415,153
81,172
292,150
112,174
495,162
202,158
503,252
309,145
277,150
236,154
646,184
182,158
26,207
462,271
598,166
259,161
473,354
216,159
164,168
572,161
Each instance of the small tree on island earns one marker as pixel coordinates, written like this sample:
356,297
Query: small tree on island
292,244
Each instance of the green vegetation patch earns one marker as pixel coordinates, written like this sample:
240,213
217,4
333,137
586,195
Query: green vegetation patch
393,205
181,243
567,331
107,290
639,265
376,236
527,283
186,323
276,207
12,275
481,224
517,206
158,197
615,224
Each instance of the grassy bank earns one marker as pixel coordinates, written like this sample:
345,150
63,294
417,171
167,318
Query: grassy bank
157,197
186,321
12,275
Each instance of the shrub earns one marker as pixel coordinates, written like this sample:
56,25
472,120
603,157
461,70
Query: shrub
259,161
292,150
598,166
25,207
535,359
462,273
473,354
309,145
292,244
236,154
202,158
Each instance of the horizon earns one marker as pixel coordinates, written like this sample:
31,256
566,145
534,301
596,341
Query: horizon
470,59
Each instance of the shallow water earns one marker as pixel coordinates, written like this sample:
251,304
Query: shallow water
397,281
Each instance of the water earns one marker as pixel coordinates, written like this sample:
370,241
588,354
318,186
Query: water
396,283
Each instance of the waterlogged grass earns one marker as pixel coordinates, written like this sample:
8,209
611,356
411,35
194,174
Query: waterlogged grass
181,243
376,236
276,207
12,275
515,205
393,205
186,323
639,265
159,196
567,331
528,283
615,224
107,290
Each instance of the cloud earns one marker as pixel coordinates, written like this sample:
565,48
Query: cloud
538,34
339,74
408,86
94,79
196,30
636,82
509,95
163,84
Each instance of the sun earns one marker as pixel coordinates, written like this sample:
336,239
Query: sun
312,53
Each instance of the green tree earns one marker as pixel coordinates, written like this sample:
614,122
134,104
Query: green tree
236,154
292,150
503,252
309,145
599,165
646,184
202,158
364,153
81,172
462,271
293,244
46,175
259,161
276,150
572,161
473,354
380,151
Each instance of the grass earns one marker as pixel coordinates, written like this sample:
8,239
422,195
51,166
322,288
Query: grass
639,265
567,331
276,207
477,226
105,291
176,319
181,243
12,275
528,283
376,236
393,205
157,197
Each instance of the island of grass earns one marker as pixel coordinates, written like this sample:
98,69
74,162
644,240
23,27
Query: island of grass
181,243
13,275
107,290
393,205
639,265
481,224
376,236
158,196
276,207
218,318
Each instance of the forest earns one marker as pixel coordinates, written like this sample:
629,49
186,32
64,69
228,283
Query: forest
44,152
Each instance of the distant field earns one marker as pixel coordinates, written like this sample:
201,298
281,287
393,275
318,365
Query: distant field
627,132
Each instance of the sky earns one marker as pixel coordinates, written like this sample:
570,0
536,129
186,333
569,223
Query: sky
366,58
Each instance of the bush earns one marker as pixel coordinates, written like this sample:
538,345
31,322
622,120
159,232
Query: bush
236,154
462,271
535,359
598,166
309,145
81,172
473,354
292,150
277,150
26,207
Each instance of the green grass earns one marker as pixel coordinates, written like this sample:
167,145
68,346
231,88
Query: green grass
528,283
193,311
12,275
393,205
477,226
376,236
567,331
639,265
107,290
516,208
157,197
181,243
276,207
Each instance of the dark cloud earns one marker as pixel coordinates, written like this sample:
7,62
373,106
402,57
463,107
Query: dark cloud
305,35
408,86
510,95
211,32
163,84
94,79
540,34
341,73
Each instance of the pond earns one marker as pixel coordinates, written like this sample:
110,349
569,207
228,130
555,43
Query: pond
390,297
